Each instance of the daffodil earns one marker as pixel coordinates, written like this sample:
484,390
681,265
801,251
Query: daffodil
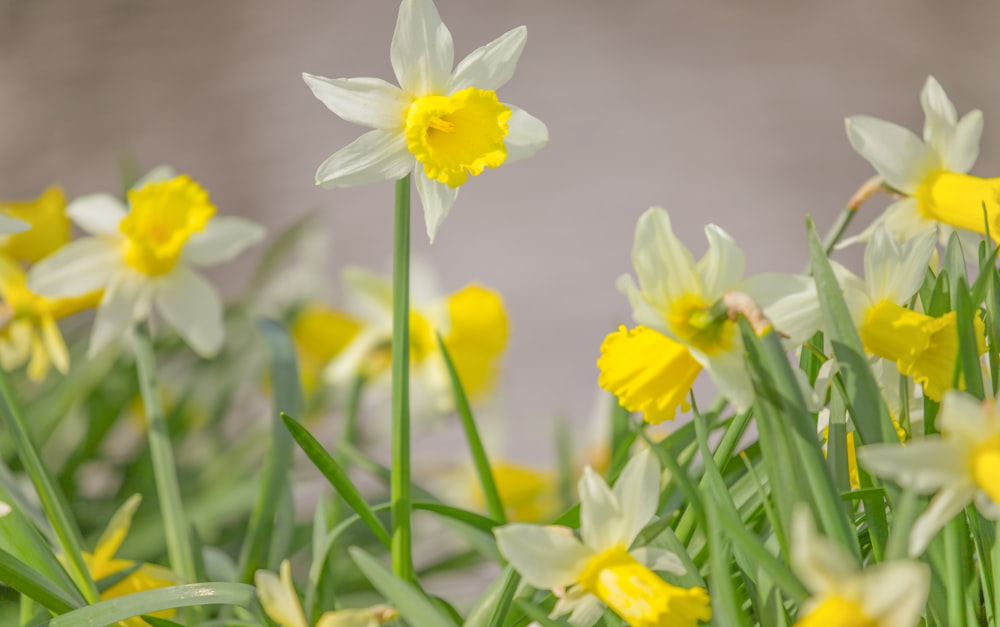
49,227
931,173
472,323
960,466
602,567
28,330
320,333
102,563
889,594
141,257
922,347
280,601
442,124
684,324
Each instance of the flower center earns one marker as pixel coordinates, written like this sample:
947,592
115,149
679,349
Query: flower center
639,596
836,611
457,135
705,327
986,467
648,372
161,218
958,199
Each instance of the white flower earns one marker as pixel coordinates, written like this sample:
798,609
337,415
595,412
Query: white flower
449,122
960,466
889,594
141,258
600,566
680,299
932,172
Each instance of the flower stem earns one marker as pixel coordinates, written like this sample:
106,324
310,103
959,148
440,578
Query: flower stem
164,470
399,484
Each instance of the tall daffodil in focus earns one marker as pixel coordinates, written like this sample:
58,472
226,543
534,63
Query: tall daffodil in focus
49,227
602,567
102,563
28,330
141,256
889,594
931,173
960,466
684,324
443,124
922,347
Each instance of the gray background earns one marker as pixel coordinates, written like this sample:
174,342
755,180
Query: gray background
726,112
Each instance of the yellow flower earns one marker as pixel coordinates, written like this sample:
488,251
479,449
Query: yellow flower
49,227
102,563
28,330
320,333
528,494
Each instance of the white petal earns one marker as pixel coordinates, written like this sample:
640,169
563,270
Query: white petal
961,152
157,175
965,418
75,269
4,509
642,312
96,213
895,152
855,292
895,593
902,218
945,505
119,308
547,557
939,113
55,346
637,491
665,267
584,609
821,565
728,371
922,465
422,52
789,301
723,265
659,559
192,307
221,240
9,225
437,199
278,597
375,156
492,65
370,102
989,508
526,134
895,272
601,515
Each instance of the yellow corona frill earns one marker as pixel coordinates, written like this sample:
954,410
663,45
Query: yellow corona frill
49,227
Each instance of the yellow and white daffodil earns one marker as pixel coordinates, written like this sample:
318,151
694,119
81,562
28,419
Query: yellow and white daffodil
49,227
102,563
922,347
931,173
602,567
889,594
441,124
281,603
141,256
28,330
684,325
472,323
960,466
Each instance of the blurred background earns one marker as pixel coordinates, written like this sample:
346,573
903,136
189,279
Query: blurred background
727,112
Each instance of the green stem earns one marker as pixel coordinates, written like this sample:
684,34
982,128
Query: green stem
351,432
55,508
164,470
399,484
955,586
837,231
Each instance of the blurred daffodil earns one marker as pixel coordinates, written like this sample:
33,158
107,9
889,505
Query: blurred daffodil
889,594
602,567
931,173
28,330
49,227
280,601
960,466
102,564
141,257
445,124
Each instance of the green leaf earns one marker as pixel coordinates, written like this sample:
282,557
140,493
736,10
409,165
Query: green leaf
476,521
413,605
29,582
540,616
494,605
968,346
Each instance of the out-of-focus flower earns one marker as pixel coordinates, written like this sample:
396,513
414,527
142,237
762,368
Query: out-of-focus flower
4,509
445,124
921,346
28,330
599,566
12,225
889,594
141,257
320,333
931,173
102,563
960,466
49,227
278,597
681,300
